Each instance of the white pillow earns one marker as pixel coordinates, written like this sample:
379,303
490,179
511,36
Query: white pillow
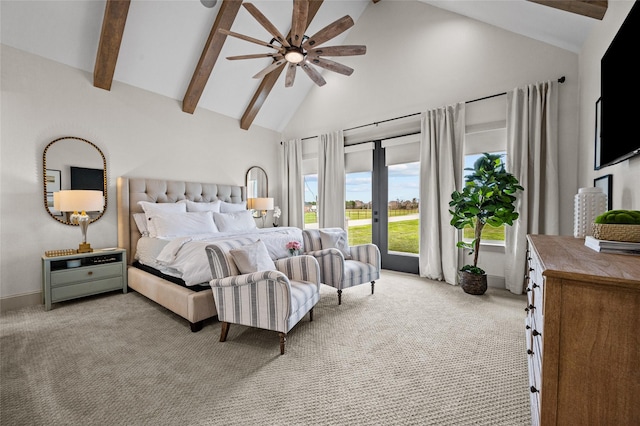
151,209
252,258
336,239
193,206
234,222
141,223
159,208
232,207
172,225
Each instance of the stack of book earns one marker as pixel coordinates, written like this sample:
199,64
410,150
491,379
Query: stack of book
616,247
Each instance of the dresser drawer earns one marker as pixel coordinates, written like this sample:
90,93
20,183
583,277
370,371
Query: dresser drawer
85,273
72,291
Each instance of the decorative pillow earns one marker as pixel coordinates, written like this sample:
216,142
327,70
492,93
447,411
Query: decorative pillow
252,258
336,239
141,223
193,206
172,225
232,207
234,222
151,209
159,208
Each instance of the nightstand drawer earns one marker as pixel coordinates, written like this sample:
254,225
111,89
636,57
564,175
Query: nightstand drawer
87,273
72,291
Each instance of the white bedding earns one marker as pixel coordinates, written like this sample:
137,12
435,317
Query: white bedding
185,257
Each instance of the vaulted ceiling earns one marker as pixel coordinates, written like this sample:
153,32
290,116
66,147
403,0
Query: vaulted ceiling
176,48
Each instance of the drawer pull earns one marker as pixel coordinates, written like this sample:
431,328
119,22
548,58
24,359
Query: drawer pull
527,327
531,269
535,285
531,307
536,333
533,389
529,352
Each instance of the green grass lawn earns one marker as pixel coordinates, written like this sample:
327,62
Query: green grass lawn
403,235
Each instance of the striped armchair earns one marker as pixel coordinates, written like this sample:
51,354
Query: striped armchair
338,270
272,300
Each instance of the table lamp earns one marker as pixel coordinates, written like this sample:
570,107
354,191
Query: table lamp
82,201
261,205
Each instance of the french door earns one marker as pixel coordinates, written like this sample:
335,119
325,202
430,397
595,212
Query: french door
395,227
390,219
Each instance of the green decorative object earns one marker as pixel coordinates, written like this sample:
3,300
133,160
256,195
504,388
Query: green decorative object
620,217
488,197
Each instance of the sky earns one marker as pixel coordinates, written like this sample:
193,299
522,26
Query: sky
404,182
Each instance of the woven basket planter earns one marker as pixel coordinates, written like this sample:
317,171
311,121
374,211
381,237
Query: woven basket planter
473,283
613,232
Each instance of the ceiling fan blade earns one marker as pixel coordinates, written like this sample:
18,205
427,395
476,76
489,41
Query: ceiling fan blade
256,56
299,21
347,50
313,74
262,20
329,32
291,75
270,68
331,66
251,39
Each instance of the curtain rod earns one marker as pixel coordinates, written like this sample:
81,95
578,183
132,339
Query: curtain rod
560,80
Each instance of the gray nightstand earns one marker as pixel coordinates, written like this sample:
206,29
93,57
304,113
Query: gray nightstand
98,272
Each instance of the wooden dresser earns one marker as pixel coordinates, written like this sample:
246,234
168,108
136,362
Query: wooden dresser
583,334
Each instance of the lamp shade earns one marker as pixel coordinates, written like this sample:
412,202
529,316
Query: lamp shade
78,200
261,203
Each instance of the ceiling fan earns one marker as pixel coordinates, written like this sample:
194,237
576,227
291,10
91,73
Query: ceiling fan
300,50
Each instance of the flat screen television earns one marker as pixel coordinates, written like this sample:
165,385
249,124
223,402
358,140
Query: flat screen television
85,178
620,95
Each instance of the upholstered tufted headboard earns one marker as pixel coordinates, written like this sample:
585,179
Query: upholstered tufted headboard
132,190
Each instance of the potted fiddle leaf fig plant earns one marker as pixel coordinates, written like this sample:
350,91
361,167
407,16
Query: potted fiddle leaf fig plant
488,197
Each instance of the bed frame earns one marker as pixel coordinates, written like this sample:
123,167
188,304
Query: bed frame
194,306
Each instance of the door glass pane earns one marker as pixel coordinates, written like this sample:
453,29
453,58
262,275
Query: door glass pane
358,207
403,196
311,201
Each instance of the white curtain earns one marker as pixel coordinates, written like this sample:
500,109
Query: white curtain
441,145
292,184
532,157
331,180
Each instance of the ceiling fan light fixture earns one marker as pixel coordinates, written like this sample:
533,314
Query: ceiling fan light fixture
294,56
209,3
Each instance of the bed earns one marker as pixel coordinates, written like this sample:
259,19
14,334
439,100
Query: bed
182,286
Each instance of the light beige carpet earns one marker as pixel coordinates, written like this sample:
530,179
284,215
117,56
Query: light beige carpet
416,352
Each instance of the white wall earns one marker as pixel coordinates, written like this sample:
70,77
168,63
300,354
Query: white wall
626,175
140,133
420,57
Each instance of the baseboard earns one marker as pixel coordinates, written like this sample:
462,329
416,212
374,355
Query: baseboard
496,281
21,301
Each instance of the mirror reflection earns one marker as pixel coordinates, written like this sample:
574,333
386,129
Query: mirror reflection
73,163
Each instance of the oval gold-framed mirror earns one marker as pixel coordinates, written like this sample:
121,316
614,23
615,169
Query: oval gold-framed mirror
71,162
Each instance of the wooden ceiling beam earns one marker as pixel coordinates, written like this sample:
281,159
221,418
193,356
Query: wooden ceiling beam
226,15
267,83
115,17
591,8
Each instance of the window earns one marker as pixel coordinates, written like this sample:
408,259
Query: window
311,201
358,207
